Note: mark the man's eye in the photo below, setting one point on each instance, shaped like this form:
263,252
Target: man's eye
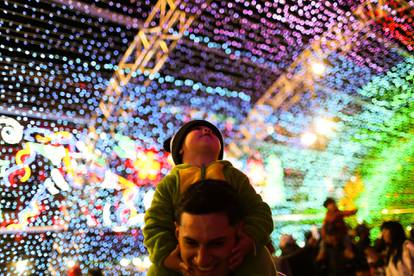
191,243
217,244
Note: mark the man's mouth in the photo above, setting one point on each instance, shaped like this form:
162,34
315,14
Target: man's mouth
205,269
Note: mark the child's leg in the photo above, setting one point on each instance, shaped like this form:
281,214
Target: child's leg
260,265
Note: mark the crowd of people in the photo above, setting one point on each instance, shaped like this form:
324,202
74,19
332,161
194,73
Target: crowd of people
341,250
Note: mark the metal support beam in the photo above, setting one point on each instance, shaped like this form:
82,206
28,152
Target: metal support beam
288,89
147,53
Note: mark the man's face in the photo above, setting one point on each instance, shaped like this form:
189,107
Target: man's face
200,138
386,236
206,242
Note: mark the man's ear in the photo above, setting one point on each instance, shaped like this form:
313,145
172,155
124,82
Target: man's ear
239,228
177,226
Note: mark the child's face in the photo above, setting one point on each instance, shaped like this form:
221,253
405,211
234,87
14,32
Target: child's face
201,138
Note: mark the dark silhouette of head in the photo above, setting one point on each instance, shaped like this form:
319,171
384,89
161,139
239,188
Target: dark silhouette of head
329,200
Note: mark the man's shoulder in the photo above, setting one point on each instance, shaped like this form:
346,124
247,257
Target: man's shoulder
227,165
409,244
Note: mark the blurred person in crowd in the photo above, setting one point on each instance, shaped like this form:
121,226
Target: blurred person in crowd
288,245
362,237
197,150
337,258
75,270
335,217
95,272
379,245
299,261
375,261
374,255
399,251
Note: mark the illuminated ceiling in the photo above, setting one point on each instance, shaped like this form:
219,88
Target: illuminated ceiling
322,89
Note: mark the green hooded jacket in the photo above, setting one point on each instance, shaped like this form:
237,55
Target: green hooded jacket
159,229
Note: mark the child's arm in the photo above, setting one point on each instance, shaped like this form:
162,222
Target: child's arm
159,237
348,213
258,222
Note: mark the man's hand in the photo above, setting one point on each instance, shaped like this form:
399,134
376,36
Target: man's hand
174,262
243,247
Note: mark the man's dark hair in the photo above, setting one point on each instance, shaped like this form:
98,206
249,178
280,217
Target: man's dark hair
211,196
328,201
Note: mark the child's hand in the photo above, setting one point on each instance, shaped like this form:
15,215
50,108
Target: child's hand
243,247
174,262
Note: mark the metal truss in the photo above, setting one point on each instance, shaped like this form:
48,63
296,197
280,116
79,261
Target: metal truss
298,79
146,54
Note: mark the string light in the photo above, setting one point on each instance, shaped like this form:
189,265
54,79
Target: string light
56,62
318,68
308,138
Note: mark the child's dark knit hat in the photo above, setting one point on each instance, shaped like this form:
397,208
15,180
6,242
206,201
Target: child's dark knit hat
174,143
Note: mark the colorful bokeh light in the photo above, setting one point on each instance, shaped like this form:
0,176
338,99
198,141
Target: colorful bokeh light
75,181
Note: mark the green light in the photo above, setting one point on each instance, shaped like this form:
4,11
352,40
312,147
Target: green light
388,168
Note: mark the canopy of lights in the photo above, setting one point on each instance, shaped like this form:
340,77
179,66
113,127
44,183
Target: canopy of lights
315,99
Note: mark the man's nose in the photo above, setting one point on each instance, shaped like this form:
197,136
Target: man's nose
202,258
